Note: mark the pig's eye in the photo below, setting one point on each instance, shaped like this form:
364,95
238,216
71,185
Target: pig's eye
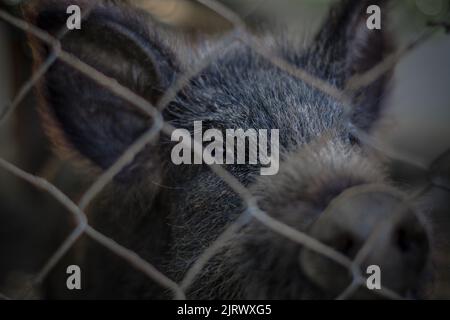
353,139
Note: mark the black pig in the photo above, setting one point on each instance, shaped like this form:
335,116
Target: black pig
169,214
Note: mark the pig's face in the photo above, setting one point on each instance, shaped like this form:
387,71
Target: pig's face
169,213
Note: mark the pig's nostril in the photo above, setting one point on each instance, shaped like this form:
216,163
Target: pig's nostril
402,240
410,240
345,244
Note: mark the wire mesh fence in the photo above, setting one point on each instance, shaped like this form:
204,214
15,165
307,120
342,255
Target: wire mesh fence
238,33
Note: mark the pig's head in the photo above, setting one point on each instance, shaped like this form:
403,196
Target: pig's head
327,186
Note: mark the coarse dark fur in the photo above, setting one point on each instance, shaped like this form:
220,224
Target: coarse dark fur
170,214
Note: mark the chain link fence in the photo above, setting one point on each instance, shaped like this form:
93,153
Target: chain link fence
438,173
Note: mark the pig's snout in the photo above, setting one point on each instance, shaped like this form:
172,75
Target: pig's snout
376,226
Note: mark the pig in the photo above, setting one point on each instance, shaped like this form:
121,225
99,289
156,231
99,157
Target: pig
169,214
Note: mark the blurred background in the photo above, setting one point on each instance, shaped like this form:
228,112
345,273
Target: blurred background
416,125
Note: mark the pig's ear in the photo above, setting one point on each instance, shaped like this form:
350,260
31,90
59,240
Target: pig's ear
345,47
80,114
